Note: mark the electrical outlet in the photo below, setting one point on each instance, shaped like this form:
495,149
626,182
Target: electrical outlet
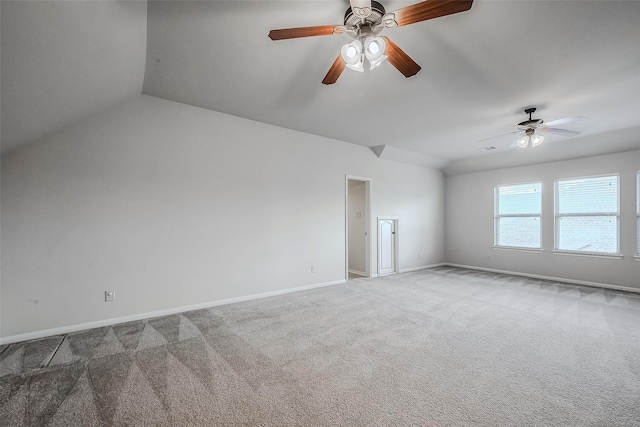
313,268
109,296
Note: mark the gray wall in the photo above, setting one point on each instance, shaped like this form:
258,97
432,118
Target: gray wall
172,205
469,224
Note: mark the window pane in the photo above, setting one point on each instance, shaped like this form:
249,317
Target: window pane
518,209
521,232
519,199
588,195
588,234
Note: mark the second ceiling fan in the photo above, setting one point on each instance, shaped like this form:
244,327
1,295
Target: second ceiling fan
531,131
363,21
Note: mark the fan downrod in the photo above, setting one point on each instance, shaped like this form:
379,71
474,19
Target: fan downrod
530,111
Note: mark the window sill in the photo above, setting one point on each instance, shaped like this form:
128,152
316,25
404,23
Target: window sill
518,249
637,258
589,254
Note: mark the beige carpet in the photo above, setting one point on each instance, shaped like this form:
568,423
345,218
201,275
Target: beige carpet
439,347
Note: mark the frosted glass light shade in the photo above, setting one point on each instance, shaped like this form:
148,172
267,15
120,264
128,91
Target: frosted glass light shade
374,48
536,139
352,55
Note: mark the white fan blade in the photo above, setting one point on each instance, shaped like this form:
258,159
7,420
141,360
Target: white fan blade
564,132
566,120
498,136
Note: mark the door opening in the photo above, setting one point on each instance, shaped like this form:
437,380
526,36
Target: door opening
358,247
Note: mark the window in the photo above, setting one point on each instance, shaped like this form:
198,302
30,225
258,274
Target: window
517,215
587,214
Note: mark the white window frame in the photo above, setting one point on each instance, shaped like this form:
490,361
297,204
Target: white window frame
557,217
497,217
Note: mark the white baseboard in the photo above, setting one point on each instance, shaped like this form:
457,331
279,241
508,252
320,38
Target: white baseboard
556,279
422,267
151,314
108,322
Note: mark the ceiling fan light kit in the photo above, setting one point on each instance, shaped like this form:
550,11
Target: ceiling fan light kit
363,21
353,54
530,139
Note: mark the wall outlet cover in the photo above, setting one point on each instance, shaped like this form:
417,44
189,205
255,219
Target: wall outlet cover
109,296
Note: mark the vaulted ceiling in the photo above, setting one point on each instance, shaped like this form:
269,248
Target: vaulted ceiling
63,61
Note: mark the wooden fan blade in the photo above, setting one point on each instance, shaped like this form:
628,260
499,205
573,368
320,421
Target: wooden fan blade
334,72
425,10
400,60
361,8
294,33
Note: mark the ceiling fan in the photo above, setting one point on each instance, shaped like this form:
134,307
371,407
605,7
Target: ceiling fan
363,21
532,130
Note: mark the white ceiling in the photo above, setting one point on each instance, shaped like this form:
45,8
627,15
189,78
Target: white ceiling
480,69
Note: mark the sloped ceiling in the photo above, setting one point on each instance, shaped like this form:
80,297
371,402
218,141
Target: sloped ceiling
480,69
63,61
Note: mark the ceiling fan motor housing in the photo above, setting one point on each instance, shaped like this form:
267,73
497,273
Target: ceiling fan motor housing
531,123
351,20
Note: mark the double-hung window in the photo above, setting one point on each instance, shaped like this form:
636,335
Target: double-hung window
517,215
587,214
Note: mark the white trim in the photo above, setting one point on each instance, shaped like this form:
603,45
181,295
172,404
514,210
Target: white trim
637,257
359,273
598,175
151,314
556,206
422,267
519,249
497,216
556,279
588,254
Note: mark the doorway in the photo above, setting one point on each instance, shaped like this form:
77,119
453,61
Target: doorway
387,245
358,246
